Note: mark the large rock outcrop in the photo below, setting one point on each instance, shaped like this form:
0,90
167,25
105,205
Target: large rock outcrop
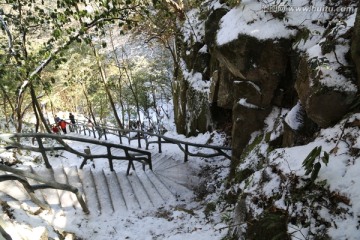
257,68
248,77
324,105
355,46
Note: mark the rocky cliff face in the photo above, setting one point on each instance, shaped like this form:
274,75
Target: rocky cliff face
355,47
273,91
242,80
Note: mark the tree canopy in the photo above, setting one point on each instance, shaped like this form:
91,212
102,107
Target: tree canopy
48,52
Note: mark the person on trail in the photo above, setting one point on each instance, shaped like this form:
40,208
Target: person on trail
72,121
89,124
62,124
56,119
55,129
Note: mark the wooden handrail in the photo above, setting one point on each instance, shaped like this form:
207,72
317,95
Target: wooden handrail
183,145
46,184
12,139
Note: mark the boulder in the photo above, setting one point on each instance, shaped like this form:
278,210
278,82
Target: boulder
245,121
322,104
256,71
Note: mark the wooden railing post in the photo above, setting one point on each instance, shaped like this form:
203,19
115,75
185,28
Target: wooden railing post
159,143
110,158
43,153
104,131
139,140
186,152
120,137
93,131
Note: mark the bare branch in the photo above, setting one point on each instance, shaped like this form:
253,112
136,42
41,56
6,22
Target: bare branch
8,33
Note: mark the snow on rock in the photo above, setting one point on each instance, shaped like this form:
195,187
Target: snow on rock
249,19
293,119
193,29
196,80
263,21
244,103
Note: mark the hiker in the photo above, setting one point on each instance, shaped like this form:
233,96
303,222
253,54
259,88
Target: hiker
72,121
62,123
56,119
89,124
55,129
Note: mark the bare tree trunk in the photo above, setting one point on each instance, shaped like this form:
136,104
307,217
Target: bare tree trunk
19,113
38,112
133,90
89,105
120,76
104,80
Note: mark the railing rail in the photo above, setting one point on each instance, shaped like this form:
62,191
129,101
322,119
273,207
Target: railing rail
129,153
45,184
130,134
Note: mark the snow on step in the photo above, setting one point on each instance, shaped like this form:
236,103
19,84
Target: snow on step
32,182
91,196
152,191
13,189
67,199
50,195
115,191
181,192
159,161
179,172
75,181
131,200
140,192
163,190
156,158
106,205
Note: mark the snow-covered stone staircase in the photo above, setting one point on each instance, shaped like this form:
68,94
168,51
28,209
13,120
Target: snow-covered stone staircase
109,192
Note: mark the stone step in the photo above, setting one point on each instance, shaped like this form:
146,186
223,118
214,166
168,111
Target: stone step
140,192
14,189
163,190
181,192
131,200
67,199
91,195
116,194
102,189
159,161
75,181
38,193
152,192
50,195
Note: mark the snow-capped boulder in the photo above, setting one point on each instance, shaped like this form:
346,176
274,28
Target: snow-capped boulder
323,104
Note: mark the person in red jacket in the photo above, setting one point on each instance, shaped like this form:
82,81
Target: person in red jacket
62,124
55,129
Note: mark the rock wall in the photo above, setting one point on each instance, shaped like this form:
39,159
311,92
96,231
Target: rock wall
247,77
355,46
